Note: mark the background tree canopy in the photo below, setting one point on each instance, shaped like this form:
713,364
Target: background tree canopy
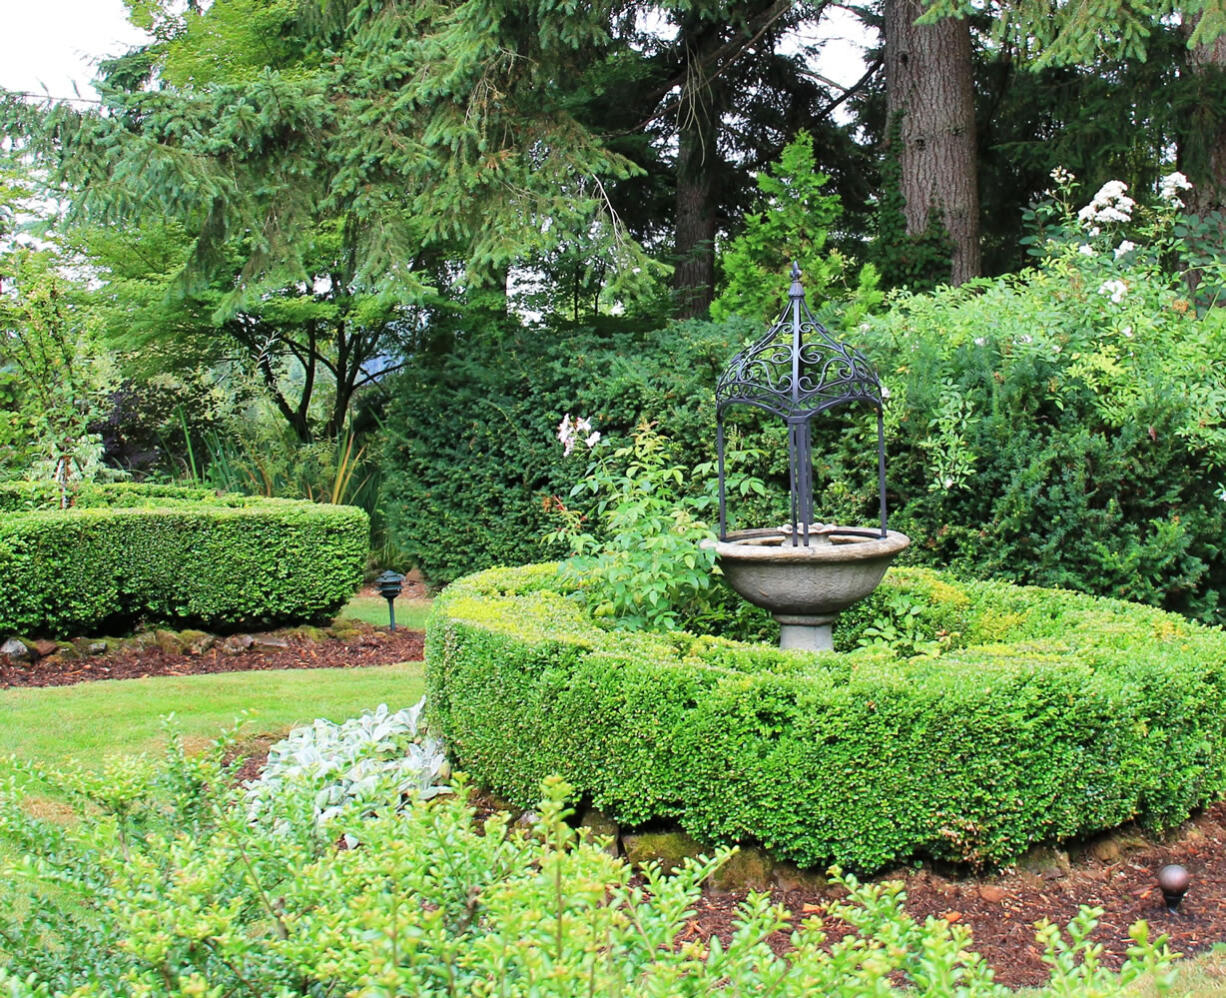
285,215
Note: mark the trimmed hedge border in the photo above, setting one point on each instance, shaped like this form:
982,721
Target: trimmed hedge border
126,554
1050,715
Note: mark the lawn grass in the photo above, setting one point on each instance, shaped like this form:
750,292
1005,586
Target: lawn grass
410,613
93,721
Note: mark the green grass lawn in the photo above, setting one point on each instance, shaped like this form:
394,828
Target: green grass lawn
91,721
410,613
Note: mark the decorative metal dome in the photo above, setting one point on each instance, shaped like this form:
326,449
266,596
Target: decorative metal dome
796,371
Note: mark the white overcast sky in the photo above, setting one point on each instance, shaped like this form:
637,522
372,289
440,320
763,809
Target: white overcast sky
47,46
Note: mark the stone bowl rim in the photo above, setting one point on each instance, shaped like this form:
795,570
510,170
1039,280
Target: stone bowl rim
745,545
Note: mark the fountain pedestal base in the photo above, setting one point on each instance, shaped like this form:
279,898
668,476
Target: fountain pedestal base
806,633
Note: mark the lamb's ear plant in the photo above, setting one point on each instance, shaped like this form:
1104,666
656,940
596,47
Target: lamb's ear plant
364,762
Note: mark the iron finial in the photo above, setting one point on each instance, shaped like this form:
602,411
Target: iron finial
796,291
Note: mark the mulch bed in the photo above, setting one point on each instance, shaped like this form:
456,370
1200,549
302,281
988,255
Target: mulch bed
371,646
1000,910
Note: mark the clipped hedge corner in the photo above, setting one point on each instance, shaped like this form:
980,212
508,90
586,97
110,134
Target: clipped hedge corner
124,554
1047,715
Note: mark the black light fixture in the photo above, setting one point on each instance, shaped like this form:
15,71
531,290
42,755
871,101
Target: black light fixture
1173,880
389,585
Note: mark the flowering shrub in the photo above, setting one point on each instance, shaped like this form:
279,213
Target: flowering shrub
1065,426
650,562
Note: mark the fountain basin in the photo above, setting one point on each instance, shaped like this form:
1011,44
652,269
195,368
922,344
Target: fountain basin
805,586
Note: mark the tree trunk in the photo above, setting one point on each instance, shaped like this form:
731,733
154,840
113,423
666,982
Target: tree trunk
1202,144
928,83
703,100
694,276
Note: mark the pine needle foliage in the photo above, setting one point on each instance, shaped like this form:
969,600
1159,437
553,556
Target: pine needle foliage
423,129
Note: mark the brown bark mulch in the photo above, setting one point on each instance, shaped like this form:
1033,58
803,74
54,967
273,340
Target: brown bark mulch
370,646
1000,910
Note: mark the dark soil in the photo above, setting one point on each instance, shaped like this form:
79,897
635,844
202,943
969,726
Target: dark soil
1001,910
1118,875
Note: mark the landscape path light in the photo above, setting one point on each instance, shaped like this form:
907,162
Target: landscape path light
1173,879
389,585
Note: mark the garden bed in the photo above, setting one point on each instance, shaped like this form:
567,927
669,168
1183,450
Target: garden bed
1001,911
354,645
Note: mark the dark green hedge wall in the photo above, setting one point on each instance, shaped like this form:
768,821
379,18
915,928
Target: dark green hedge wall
1068,478
472,452
1050,715
261,562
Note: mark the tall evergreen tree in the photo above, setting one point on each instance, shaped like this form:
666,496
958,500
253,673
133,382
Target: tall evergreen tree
931,115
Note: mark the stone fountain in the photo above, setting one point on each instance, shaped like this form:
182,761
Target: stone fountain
806,572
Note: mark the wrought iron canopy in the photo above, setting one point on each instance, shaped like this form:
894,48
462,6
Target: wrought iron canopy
796,371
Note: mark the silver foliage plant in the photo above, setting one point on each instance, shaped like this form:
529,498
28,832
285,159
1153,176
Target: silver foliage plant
362,765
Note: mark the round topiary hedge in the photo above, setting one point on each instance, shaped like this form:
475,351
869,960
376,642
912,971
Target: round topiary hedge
125,554
1035,715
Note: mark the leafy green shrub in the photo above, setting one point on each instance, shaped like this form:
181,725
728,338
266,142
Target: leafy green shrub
1063,426
163,555
165,887
1027,715
652,566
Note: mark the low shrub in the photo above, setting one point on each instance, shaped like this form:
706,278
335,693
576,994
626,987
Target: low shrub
127,554
166,887
996,718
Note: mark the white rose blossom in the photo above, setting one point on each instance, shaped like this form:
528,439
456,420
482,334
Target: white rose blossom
1116,289
1110,204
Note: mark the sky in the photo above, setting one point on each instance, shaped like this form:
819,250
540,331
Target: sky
47,46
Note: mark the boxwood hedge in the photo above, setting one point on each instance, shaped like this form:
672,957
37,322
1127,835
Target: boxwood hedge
127,554
1046,715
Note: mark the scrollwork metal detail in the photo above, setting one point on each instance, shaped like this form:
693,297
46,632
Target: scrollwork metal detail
796,371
